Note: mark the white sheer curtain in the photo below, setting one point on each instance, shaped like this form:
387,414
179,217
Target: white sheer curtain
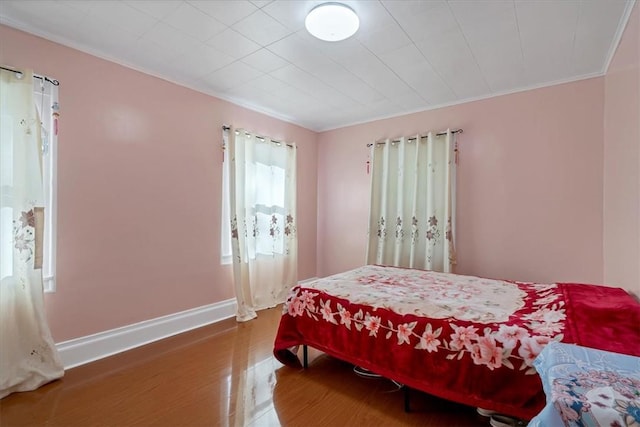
264,243
28,357
412,216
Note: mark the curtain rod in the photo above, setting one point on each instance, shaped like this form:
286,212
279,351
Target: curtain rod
413,139
45,78
225,128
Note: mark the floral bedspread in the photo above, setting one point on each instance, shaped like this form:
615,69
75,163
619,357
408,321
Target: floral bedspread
587,387
463,338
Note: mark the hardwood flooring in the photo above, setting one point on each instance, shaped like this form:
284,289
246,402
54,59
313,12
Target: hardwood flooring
223,375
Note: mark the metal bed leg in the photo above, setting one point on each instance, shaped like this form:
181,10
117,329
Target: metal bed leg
305,356
407,397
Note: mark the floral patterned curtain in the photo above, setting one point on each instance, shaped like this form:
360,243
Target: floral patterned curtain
412,215
28,357
264,242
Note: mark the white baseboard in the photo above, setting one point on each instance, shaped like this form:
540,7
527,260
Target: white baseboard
87,349
90,348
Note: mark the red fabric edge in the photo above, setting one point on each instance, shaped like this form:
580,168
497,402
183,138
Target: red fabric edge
288,358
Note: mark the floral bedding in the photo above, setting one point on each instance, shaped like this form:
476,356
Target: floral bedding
587,387
468,339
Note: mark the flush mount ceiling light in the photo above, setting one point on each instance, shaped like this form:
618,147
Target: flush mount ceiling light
332,22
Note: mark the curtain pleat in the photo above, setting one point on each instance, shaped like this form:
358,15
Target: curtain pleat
412,214
415,178
429,193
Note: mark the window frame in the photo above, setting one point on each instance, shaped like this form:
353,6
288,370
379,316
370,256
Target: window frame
226,250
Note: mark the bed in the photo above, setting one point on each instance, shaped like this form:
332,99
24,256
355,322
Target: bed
467,339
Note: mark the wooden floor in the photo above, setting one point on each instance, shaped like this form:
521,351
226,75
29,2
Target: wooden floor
223,375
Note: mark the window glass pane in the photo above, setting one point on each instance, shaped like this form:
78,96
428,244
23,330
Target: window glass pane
6,192
269,238
6,153
6,251
270,185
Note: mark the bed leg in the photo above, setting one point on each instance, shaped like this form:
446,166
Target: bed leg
305,356
407,403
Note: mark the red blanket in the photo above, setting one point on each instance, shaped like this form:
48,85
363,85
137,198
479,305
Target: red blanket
463,338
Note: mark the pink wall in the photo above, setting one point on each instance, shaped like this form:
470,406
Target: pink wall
622,161
529,184
139,190
139,185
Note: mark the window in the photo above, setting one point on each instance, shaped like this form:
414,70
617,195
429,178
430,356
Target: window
46,103
225,246
46,100
267,188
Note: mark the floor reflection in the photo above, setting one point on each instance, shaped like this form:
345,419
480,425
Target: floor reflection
220,375
252,391
252,378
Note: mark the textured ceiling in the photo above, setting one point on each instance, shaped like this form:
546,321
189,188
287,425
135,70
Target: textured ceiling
407,56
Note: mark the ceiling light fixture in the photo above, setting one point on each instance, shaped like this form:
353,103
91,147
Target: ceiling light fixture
332,22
